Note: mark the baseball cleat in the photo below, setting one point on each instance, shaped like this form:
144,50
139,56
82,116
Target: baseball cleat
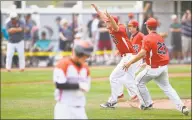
185,110
108,105
121,98
142,107
134,99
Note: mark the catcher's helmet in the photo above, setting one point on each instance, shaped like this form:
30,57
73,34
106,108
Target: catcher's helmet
82,47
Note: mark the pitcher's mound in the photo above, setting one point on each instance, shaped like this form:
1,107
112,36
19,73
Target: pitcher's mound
158,104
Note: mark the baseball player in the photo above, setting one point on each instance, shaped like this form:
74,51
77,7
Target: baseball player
136,39
124,49
71,77
15,28
157,59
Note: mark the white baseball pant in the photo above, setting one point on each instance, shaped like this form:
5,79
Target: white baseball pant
160,76
63,111
11,47
119,77
136,68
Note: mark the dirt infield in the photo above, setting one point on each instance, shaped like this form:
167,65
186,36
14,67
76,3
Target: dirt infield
157,104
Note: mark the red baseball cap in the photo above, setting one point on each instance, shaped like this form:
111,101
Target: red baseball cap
114,17
133,23
130,15
151,22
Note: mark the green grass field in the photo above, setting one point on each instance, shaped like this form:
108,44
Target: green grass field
30,95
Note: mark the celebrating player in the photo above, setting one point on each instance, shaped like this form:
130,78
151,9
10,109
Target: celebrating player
125,49
136,39
72,78
157,59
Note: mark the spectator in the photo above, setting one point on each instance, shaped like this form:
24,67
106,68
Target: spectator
131,16
58,20
104,42
187,35
65,36
89,27
147,13
36,18
175,29
15,28
74,25
28,24
94,32
43,44
94,27
35,34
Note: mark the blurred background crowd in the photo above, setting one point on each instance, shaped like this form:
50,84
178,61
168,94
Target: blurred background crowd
48,28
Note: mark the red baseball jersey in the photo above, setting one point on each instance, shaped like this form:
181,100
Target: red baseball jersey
121,40
136,40
157,52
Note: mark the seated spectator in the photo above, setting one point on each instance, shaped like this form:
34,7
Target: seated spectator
66,38
4,33
175,29
43,44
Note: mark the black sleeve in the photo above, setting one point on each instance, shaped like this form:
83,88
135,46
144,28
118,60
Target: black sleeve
67,86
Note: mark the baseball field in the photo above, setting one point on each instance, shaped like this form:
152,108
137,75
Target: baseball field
29,95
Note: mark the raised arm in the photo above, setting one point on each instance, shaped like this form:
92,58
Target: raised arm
114,24
100,13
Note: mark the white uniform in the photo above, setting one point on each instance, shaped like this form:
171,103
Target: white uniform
70,103
157,59
119,77
19,47
136,68
136,40
160,76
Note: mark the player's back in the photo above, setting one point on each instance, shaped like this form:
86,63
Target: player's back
72,74
158,51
